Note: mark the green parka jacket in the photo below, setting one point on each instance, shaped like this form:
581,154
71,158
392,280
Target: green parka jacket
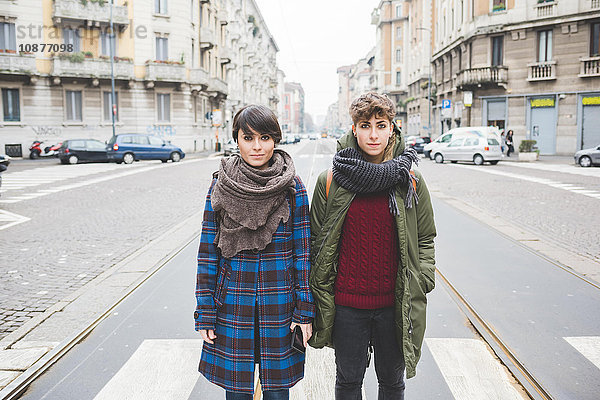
416,266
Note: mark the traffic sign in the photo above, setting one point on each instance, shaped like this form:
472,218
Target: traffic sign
446,103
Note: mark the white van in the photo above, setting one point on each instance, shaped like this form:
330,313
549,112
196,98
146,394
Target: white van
445,139
476,147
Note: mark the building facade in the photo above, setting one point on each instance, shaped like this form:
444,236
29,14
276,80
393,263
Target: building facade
175,72
530,66
292,120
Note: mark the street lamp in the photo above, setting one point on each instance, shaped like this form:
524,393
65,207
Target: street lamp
429,80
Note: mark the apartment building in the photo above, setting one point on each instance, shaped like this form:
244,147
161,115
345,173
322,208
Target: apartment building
292,120
532,66
177,64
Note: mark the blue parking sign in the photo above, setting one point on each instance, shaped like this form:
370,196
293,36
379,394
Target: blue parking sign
446,103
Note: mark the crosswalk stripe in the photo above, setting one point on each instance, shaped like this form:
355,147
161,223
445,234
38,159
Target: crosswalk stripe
8,219
589,346
159,369
470,370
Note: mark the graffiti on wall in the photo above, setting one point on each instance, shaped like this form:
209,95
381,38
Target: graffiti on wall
161,130
41,130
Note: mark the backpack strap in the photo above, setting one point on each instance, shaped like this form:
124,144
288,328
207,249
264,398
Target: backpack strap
329,179
414,180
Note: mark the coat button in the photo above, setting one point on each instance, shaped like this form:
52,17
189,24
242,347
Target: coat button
196,315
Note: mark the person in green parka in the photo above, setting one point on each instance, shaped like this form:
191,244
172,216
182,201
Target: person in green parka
373,254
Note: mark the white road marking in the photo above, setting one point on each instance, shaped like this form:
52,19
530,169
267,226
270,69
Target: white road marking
470,370
567,169
589,346
558,185
159,369
8,219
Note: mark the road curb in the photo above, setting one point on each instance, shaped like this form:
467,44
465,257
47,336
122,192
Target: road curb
99,297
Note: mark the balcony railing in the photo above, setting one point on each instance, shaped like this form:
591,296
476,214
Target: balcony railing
590,66
207,37
199,76
478,77
595,3
92,12
217,86
541,71
545,10
17,64
156,71
92,67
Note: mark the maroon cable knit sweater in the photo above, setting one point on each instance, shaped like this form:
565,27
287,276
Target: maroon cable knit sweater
368,259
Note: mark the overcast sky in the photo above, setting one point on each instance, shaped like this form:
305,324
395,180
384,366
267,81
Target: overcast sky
315,38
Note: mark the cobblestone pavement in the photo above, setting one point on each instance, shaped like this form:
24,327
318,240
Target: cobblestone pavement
567,218
75,234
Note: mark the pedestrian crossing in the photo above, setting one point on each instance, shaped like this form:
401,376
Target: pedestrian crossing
168,369
563,168
8,219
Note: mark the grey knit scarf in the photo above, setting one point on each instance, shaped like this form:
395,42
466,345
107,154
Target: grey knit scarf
251,202
352,172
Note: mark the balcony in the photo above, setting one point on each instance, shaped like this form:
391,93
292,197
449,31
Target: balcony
541,71
480,77
17,64
222,17
590,67
199,76
546,9
91,68
217,87
207,38
159,71
92,13
225,54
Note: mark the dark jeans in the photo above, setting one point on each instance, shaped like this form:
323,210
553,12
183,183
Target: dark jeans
353,330
283,394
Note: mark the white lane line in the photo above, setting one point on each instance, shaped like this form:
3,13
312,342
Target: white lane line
589,346
470,370
567,169
8,219
159,369
558,185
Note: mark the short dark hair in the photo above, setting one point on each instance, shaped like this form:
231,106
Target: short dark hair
258,118
370,105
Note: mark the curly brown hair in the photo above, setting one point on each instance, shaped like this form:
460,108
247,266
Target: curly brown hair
372,104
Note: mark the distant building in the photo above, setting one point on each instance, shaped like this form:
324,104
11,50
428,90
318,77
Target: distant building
293,108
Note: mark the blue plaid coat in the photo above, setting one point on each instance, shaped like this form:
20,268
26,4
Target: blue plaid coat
227,291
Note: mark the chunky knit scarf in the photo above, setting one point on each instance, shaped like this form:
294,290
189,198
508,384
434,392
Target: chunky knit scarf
251,202
352,172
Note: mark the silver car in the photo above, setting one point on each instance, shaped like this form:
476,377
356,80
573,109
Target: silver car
473,148
588,157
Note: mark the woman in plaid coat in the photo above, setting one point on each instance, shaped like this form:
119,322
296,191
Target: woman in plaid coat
253,265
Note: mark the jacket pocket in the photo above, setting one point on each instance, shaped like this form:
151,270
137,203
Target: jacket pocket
427,282
222,283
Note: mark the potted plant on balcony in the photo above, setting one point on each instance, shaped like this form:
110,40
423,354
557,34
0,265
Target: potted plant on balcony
528,151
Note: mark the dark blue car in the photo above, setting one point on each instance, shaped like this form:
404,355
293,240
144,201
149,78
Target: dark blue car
130,147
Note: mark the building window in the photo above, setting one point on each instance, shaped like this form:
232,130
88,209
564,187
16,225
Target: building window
497,51
498,5
107,97
200,15
398,78
162,49
105,40
73,105
398,55
398,11
71,37
163,107
160,6
399,33
11,105
545,46
7,38
595,40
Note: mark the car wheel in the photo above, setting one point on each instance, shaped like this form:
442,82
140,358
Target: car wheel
175,156
128,158
34,154
494,162
73,159
585,161
478,159
439,158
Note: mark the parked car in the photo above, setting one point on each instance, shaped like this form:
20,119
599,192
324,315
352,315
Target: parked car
4,161
417,142
477,148
73,151
129,147
287,138
230,148
446,138
588,157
